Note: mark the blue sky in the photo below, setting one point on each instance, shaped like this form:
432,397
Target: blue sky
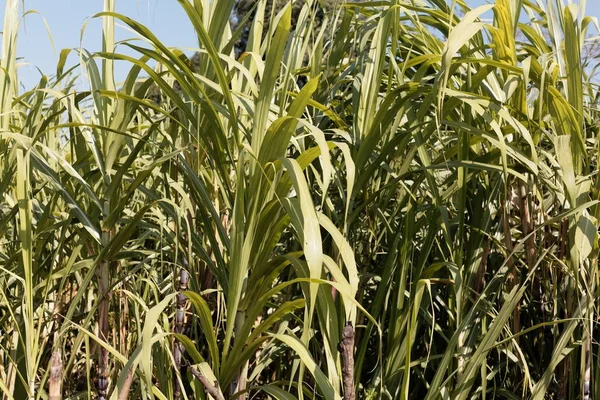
67,19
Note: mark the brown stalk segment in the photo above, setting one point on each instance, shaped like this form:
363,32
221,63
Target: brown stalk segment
56,365
178,351
564,379
103,286
123,319
347,350
55,381
124,393
480,279
527,226
212,389
513,278
588,368
563,375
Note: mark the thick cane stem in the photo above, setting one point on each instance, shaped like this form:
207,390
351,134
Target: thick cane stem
178,350
104,282
347,351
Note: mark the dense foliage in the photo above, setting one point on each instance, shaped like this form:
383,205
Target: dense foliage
207,228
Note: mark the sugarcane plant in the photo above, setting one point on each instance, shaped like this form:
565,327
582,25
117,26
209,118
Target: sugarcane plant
323,200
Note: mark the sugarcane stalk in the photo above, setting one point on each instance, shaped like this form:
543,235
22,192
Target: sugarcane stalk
527,226
123,346
566,362
103,286
513,279
55,380
123,320
178,351
239,381
124,393
346,349
588,368
589,328
56,365
480,279
212,389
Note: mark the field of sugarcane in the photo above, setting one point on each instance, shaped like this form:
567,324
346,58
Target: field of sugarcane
394,199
